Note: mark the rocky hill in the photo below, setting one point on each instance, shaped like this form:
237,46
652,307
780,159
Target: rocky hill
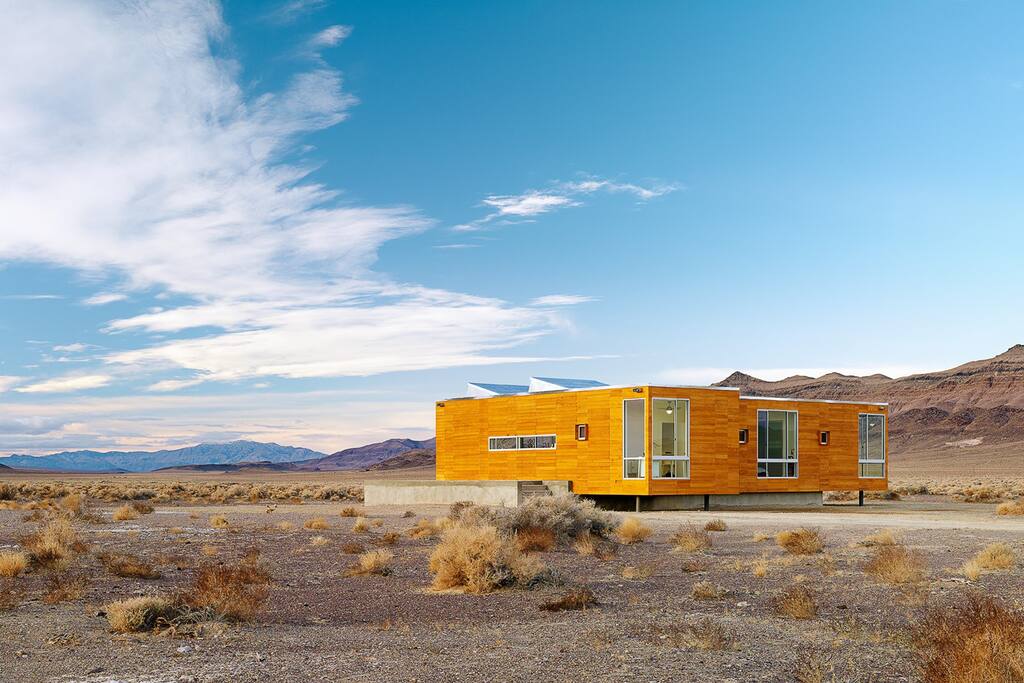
362,457
974,411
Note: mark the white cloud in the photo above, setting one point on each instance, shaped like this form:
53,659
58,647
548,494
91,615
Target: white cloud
193,190
71,348
174,384
30,297
288,12
8,381
559,195
562,300
65,384
329,37
704,376
104,298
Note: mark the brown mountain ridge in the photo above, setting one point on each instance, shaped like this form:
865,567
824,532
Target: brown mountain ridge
965,420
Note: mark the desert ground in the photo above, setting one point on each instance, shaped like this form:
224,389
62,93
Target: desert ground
314,589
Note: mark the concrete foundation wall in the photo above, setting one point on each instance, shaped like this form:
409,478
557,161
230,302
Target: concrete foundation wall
498,493
773,500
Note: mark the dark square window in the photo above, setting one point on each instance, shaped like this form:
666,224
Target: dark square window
824,438
581,432
744,436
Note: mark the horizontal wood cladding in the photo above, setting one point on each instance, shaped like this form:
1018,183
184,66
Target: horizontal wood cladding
718,463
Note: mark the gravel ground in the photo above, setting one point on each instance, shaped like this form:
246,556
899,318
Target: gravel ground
320,625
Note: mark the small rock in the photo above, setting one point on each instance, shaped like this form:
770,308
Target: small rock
185,649
743,603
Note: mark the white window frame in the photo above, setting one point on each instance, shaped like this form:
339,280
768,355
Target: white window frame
519,438
677,458
757,444
625,441
871,461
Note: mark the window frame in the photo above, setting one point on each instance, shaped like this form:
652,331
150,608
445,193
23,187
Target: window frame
625,442
861,461
744,435
766,461
824,437
582,431
655,458
519,438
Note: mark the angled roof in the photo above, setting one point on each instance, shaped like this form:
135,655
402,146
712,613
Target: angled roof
483,389
560,383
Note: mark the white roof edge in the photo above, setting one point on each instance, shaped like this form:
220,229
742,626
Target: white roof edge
812,400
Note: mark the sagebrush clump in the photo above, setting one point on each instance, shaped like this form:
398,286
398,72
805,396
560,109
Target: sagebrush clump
480,559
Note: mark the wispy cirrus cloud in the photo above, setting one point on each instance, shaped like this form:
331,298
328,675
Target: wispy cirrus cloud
329,37
288,12
559,195
562,300
9,381
194,191
104,298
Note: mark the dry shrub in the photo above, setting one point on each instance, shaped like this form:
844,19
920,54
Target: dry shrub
210,550
319,541
705,590
142,508
10,595
480,559
704,635
895,564
716,525
360,526
175,530
232,593
376,562
12,563
316,523
352,547
348,512
883,537
800,541
815,667
408,514
125,513
796,602
8,492
219,522
377,523
425,529
64,587
690,539
1011,508
566,515
389,538
588,544
580,598
995,556
73,504
135,615
535,539
285,526
53,545
632,573
632,530
828,565
692,566
761,538
128,566
979,641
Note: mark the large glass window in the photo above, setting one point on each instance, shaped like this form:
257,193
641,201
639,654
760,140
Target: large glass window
671,438
633,440
871,445
777,444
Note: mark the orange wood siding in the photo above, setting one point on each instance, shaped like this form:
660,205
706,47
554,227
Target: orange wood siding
718,463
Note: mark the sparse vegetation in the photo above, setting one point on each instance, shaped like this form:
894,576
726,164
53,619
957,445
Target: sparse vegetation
128,566
229,592
12,563
632,530
348,512
352,547
316,524
1015,507
535,539
144,613
895,564
982,640
480,559
125,513
690,539
704,635
994,557
53,546
360,526
716,525
376,562
219,522
388,538
637,573
705,590
796,602
319,541
580,598
883,537
802,541
63,586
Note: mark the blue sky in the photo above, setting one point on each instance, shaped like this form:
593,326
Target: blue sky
304,221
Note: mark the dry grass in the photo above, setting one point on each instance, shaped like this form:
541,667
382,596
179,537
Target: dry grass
704,635
125,513
144,613
348,512
796,602
761,538
815,667
319,541
360,526
12,563
632,530
580,598
389,538
480,559
716,525
375,562
994,557
883,537
589,545
316,523
535,539
219,522
284,526
895,564
1011,508
128,566
567,516
232,593
10,595
64,587
142,508
692,566
161,491
802,541
352,547
638,573
690,539
53,546
981,641
705,590
425,529
210,550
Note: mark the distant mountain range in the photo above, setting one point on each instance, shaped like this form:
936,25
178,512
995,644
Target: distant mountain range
968,419
225,457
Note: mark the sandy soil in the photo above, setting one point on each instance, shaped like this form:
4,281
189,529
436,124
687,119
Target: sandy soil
320,625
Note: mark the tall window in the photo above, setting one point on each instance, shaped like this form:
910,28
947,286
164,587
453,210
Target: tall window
671,438
777,436
871,445
633,440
